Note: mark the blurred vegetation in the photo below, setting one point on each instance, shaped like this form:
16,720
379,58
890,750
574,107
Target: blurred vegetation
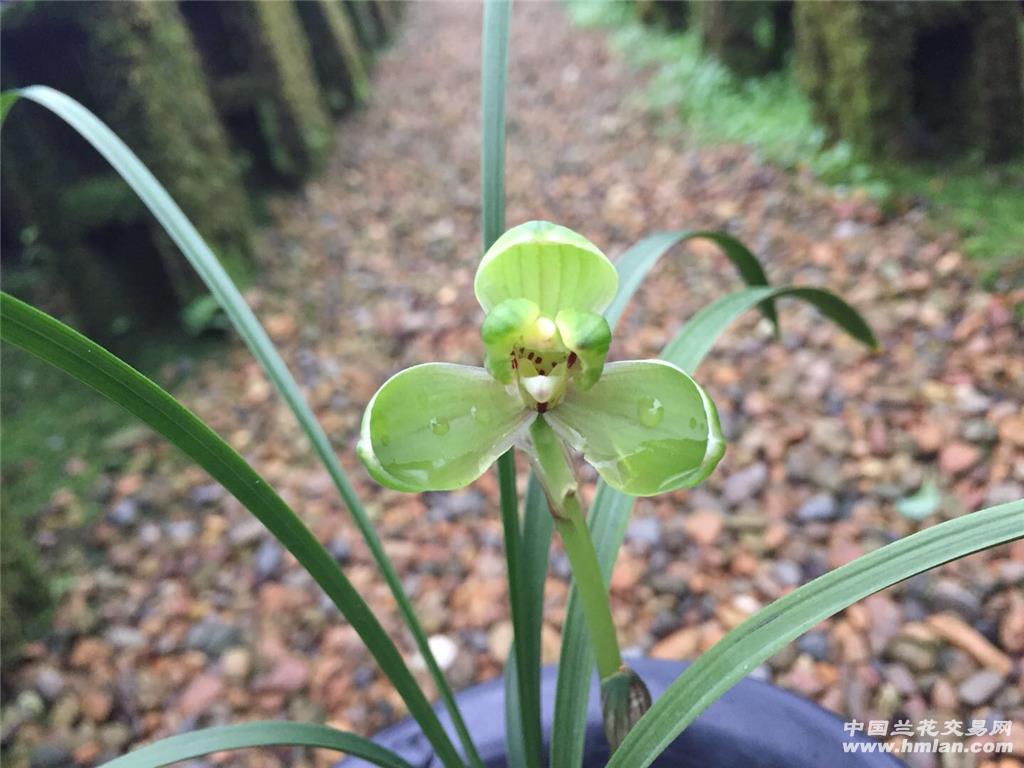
771,114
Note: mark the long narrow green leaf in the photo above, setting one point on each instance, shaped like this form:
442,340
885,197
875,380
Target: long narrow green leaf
696,338
635,263
528,606
206,264
609,514
764,633
270,733
57,344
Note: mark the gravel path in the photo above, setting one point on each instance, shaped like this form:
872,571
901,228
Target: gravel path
185,614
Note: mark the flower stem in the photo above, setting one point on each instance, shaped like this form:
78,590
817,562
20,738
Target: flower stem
559,483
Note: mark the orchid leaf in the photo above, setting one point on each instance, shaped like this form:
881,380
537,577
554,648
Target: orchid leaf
437,426
268,733
646,426
61,346
639,259
548,264
223,289
768,630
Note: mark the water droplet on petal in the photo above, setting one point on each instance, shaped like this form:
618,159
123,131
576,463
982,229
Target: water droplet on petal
693,422
439,426
650,410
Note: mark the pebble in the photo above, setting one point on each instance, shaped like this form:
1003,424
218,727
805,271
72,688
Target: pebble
124,513
958,457
745,484
704,526
268,559
50,683
980,687
645,531
815,644
212,636
949,595
820,507
237,663
50,756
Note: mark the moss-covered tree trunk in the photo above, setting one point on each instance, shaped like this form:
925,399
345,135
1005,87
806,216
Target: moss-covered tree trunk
750,38
339,62
670,14
915,79
264,85
135,66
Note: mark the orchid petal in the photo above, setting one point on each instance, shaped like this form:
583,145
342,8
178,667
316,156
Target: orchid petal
646,426
503,327
550,265
588,337
437,426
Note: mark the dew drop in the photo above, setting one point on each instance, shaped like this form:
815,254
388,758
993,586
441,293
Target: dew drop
650,410
439,426
693,422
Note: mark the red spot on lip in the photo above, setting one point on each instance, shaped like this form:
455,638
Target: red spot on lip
530,356
571,360
542,407
515,363
537,360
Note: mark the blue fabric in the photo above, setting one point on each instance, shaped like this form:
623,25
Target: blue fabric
754,725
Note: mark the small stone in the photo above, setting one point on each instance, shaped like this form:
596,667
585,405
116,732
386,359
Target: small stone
237,664
704,526
444,649
1011,430
1003,493
50,683
125,638
50,756
814,644
958,457
929,438
980,687
957,632
65,712
979,431
201,694
124,513
645,531
268,559
89,652
114,736
181,531
340,549
920,657
248,531
206,495
212,636
745,484
97,704
943,695
787,573
288,675
820,507
949,595
681,644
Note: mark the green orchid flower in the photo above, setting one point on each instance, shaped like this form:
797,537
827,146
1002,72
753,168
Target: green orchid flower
645,426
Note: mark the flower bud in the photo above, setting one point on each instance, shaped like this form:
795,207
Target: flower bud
624,699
